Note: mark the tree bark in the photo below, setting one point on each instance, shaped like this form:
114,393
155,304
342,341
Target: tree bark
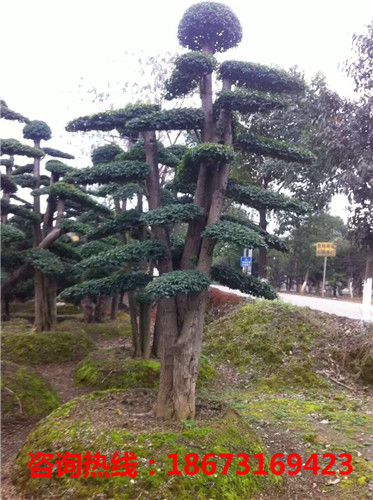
134,326
5,308
263,258
144,326
182,329
303,289
6,194
102,309
45,302
114,307
156,336
368,285
88,307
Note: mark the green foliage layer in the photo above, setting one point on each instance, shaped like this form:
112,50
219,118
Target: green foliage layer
134,252
237,234
58,167
244,101
24,169
37,130
19,210
58,154
7,184
110,120
13,147
260,77
258,198
172,214
9,234
112,172
25,393
123,222
116,283
105,154
246,283
178,282
170,119
271,240
274,149
209,24
187,73
120,191
206,153
45,261
9,114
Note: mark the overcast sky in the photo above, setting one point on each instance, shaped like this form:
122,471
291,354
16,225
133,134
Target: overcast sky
53,50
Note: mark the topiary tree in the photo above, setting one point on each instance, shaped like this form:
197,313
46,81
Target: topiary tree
199,187
121,176
38,252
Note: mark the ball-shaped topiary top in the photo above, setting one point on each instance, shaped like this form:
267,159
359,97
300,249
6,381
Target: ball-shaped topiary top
37,131
105,154
210,26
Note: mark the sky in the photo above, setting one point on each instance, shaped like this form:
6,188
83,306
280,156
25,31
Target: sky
55,50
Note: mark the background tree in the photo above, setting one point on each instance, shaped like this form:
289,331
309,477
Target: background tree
354,137
312,180
38,253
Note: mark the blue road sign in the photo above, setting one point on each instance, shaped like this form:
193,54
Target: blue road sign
246,261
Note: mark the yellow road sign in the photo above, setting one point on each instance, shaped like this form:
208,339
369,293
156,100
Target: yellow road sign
325,249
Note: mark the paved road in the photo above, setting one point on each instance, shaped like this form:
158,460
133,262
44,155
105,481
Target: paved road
332,306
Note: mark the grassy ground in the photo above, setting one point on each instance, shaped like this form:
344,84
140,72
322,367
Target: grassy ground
296,380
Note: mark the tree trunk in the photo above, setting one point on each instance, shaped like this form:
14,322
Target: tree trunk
156,336
303,289
6,194
5,308
45,302
145,323
187,358
88,307
134,326
102,309
114,307
164,406
182,329
368,285
263,258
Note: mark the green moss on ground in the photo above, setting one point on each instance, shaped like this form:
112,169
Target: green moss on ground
269,340
121,327
25,393
16,325
22,307
69,429
46,347
115,369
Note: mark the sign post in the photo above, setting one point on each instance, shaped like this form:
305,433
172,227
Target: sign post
246,261
325,249
324,277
